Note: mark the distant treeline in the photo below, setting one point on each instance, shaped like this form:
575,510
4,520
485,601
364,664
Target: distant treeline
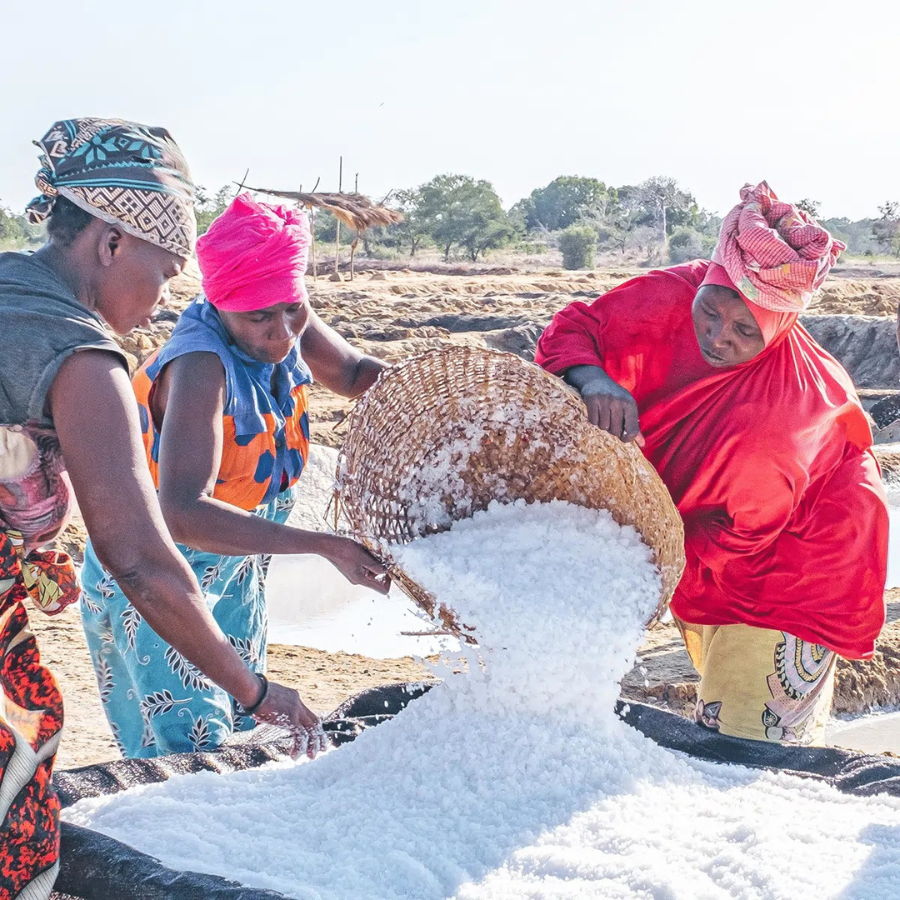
656,221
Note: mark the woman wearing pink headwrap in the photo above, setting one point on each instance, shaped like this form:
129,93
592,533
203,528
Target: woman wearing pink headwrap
226,432
760,437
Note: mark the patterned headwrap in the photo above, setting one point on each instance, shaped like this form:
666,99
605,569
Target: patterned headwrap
775,254
254,255
124,173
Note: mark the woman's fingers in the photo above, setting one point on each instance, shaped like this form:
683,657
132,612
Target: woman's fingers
603,415
311,741
631,429
284,707
377,579
611,408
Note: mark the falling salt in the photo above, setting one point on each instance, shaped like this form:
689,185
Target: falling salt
517,780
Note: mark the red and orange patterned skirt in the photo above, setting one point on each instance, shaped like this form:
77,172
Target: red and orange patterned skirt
31,718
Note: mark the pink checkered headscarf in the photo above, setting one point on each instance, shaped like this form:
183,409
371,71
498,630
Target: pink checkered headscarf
776,255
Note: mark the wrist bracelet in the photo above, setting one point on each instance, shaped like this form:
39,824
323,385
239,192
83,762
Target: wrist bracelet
251,710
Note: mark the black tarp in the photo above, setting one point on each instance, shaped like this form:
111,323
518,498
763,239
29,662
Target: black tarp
95,867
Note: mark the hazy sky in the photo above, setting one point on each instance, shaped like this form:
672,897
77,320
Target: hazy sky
803,93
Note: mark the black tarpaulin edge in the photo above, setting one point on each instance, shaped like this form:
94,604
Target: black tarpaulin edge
96,867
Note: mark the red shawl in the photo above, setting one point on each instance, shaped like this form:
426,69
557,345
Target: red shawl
769,463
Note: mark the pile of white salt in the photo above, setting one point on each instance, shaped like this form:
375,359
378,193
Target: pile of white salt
517,779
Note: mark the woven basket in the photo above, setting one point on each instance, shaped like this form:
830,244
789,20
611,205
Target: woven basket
441,435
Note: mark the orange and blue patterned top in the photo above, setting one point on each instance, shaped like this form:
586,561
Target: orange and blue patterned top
266,425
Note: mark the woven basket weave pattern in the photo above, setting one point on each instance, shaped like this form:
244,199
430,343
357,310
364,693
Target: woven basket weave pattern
442,434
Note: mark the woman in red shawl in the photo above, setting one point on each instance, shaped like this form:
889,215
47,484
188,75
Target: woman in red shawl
760,437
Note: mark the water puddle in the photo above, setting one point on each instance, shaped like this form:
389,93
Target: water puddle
893,575
312,605
873,733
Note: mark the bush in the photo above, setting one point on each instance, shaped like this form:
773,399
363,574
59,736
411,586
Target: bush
577,245
688,243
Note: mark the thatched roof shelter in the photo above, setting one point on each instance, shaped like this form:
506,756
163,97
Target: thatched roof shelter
354,210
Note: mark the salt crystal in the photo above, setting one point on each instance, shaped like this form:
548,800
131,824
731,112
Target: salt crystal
517,779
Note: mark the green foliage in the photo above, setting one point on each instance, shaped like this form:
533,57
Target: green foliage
690,243
886,230
16,232
414,230
811,207
859,236
654,221
666,205
208,209
564,202
458,211
577,244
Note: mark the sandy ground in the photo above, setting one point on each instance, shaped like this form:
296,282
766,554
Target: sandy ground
394,313
324,680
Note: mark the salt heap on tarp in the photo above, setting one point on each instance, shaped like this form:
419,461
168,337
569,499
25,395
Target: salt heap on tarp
517,779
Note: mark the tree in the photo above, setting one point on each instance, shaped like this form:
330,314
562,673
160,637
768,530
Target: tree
859,236
577,244
16,231
459,211
414,229
690,243
564,202
208,209
886,230
669,205
811,207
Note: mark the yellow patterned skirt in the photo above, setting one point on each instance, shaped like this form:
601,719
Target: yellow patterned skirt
760,684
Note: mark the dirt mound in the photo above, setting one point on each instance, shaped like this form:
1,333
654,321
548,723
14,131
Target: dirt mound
870,297
865,345
392,311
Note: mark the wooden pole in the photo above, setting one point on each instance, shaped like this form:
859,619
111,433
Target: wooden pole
337,234
312,228
355,239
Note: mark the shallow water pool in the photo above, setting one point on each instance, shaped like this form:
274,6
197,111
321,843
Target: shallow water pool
872,733
312,605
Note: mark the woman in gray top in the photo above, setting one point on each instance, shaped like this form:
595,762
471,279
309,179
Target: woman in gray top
120,204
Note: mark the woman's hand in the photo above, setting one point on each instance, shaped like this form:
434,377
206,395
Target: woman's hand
283,707
613,409
356,563
609,405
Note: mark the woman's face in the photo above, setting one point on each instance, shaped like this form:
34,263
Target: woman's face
133,280
267,334
726,330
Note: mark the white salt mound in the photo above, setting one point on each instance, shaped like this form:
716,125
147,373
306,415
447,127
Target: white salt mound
517,780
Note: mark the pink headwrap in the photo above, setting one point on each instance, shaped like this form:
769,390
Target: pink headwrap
254,255
772,324
775,254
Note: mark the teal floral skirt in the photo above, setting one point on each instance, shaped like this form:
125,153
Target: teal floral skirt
155,700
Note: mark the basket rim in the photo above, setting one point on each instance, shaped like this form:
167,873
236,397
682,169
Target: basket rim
347,507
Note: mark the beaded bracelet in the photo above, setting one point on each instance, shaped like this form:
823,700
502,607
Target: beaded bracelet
251,710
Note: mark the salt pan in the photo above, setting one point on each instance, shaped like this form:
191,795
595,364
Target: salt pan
516,779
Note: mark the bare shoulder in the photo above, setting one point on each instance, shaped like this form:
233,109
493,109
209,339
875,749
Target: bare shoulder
200,374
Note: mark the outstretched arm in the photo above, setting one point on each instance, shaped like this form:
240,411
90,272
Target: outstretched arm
96,419
193,391
334,363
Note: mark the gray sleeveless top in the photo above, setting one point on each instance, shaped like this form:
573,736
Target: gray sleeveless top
41,325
